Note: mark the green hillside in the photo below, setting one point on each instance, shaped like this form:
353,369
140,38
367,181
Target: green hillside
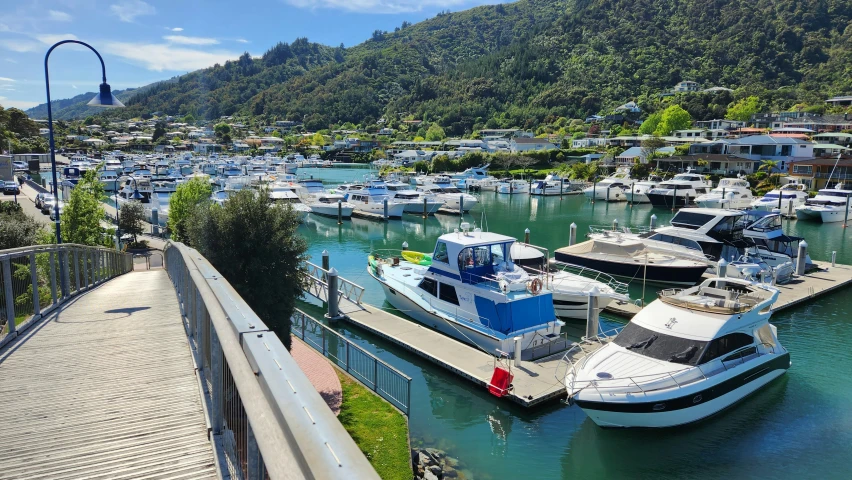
527,63
75,107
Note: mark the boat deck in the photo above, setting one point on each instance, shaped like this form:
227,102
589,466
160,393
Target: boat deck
814,284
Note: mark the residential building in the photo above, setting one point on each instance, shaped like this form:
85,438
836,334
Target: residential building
488,134
629,107
719,124
686,86
840,101
530,144
766,147
588,142
838,138
819,173
716,164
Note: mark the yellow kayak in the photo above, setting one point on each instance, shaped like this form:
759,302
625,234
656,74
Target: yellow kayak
416,257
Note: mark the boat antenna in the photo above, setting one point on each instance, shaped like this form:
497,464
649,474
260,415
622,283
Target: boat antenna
828,182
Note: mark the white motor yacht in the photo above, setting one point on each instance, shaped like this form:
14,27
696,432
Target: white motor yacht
770,241
730,193
109,179
285,196
686,356
373,198
553,184
639,190
513,187
829,205
613,188
451,196
330,204
415,202
470,289
680,191
786,199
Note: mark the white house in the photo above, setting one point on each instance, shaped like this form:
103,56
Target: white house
588,142
686,86
530,144
629,107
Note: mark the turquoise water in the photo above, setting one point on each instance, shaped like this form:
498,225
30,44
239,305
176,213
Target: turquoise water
799,426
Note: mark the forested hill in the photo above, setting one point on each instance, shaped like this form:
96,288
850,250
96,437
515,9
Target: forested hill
525,63
75,107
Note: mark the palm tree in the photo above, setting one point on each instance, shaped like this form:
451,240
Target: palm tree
768,166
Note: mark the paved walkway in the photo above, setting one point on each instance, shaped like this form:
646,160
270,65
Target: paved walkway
105,388
321,374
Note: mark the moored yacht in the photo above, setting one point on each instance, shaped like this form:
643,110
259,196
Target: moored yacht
829,205
686,356
680,191
451,196
374,198
613,188
285,196
513,187
786,198
470,289
639,191
330,204
415,202
730,193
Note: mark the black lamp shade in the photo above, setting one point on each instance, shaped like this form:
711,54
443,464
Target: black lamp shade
136,195
105,98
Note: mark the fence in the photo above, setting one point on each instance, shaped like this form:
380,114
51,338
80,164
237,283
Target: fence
266,419
35,280
391,384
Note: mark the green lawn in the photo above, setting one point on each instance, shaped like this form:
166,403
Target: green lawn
380,430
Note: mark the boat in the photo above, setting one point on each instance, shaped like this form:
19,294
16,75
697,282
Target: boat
131,184
473,292
374,198
330,204
678,192
628,257
829,205
285,196
571,285
452,197
770,241
713,232
613,188
785,199
512,187
730,193
109,179
415,202
639,190
685,357
553,184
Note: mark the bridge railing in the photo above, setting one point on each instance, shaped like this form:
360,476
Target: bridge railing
35,280
266,419
318,286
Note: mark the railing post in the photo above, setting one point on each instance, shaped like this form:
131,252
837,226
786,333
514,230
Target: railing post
333,310
347,355
86,268
34,280
323,341
53,258
253,461
217,387
408,400
10,299
375,375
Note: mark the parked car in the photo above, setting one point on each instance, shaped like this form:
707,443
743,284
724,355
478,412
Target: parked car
20,166
47,204
40,199
53,210
11,188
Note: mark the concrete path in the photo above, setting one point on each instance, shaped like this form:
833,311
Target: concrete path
321,374
105,388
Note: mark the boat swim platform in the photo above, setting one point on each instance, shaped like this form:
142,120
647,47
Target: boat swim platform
534,383
105,386
800,289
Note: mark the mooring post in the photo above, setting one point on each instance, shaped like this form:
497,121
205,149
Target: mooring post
722,268
607,193
722,203
594,188
834,258
614,224
518,350
800,261
653,221
572,234
846,217
461,204
592,319
325,264
339,212
632,194
333,308
385,205
404,246
527,235
425,212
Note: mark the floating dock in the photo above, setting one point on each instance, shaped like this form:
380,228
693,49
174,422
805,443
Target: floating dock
802,288
449,211
372,216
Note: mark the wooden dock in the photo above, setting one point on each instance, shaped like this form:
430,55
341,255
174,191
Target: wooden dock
801,289
105,387
535,381
372,216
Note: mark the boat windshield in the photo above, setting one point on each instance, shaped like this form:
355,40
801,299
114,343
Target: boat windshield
660,346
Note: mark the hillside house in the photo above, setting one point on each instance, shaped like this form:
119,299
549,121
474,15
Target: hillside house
819,173
686,86
530,144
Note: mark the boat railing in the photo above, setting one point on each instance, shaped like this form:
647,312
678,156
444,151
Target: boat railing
318,285
591,274
628,229
606,388
578,352
710,304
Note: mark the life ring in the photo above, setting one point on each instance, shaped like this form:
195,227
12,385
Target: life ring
534,286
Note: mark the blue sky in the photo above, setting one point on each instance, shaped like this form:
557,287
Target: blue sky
143,41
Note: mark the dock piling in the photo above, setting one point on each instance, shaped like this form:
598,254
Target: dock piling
800,261
572,234
834,258
333,307
404,246
518,350
527,235
461,204
385,205
653,221
592,318
339,212
614,224
325,263
425,212
722,268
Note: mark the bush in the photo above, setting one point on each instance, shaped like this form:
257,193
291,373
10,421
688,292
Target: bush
16,228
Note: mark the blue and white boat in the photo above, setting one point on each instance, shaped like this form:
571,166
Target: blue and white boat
470,289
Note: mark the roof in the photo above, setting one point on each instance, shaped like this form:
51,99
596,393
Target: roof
475,238
793,130
834,135
767,139
830,146
844,162
531,140
631,152
789,135
843,98
710,157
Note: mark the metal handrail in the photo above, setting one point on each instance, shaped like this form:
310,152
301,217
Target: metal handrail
592,274
346,288
267,420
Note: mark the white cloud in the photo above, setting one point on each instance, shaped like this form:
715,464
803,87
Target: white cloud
128,10
58,16
175,29
242,40
51,38
159,57
22,104
384,6
6,79
11,60
19,46
74,86
180,39
4,28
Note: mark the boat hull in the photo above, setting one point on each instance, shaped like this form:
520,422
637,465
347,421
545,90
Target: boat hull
616,194
824,216
331,210
416,207
637,197
660,200
696,405
686,275
576,306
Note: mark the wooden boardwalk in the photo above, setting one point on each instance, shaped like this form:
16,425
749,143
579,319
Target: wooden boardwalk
105,388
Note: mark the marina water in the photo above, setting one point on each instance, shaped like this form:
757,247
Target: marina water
798,426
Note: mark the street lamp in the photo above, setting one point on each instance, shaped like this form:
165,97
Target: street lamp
104,98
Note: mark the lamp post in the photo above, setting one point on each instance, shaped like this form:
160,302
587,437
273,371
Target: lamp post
103,99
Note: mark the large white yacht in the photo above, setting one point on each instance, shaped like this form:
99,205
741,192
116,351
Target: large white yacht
770,241
513,187
829,205
553,184
470,289
330,204
280,195
686,356
680,191
639,191
450,195
730,193
613,188
415,201
786,198
373,197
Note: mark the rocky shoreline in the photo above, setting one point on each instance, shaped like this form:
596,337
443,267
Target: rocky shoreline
434,464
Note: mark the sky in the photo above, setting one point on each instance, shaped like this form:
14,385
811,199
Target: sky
143,41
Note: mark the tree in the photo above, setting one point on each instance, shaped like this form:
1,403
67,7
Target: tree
222,129
182,203
743,109
504,162
131,219
435,133
770,166
525,162
159,130
650,124
584,171
254,245
650,146
81,218
17,229
673,118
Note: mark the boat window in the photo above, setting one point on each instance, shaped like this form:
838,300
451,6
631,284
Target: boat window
725,225
430,286
448,294
475,257
691,220
659,346
441,253
497,255
725,345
